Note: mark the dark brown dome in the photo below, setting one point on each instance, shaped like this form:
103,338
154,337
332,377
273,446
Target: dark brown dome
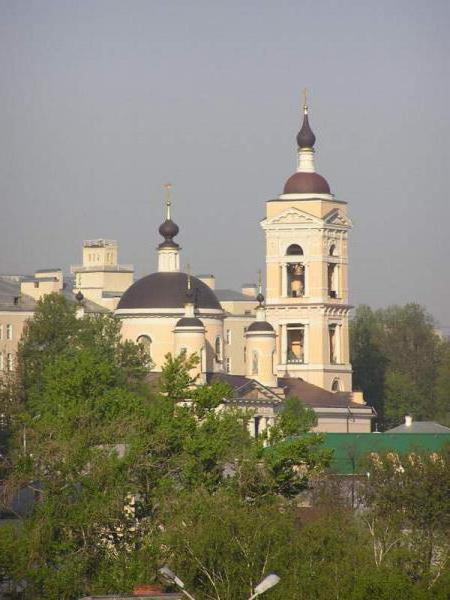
305,137
306,183
260,326
168,290
168,229
189,322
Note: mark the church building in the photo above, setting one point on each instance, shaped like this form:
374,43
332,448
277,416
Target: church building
296,340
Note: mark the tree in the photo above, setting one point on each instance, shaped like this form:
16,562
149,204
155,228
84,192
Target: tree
401,398
176,380
407,500
398,346
442,396
367,357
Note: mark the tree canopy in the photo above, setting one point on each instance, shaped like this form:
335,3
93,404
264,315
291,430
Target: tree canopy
128,476
400,363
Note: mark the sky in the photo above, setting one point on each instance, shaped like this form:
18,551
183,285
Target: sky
103,101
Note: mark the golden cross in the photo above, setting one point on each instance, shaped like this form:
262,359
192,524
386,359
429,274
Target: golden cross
305,101
168,188
188,269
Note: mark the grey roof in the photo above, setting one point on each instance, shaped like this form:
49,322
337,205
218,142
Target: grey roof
232,295
12,300
420,427
167,290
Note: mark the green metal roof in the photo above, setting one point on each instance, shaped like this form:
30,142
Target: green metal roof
350,449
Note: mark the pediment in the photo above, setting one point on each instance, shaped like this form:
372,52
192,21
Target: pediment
336,217
253,391
292,216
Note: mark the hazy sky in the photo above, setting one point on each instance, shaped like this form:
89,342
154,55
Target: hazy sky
101,102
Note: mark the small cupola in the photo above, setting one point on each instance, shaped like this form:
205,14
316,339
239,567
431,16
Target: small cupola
168,250
260,343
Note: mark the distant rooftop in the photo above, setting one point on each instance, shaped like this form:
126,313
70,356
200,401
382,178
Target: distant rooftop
49,270
232,295
420,427
100,243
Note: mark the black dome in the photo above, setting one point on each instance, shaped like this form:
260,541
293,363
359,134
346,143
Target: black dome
168,229
189,322
260,326
167,290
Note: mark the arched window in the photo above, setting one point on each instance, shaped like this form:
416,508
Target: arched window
332,276
295,280
333,250
295,351
336,385
294,250
255,362
218,348
146,343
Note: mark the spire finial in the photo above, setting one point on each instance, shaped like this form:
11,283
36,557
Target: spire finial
260,296
188,270
305,101
305,137
168,188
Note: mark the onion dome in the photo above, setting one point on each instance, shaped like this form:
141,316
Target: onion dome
260,298
79,296
164,290
306,183
305,137
168,230
189,322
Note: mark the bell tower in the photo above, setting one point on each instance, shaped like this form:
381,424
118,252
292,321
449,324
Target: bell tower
306,230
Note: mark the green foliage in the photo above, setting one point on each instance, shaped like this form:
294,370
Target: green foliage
399,363
368,359
409,512
401,398
442,399
208,397
127,479
294,419
176,381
